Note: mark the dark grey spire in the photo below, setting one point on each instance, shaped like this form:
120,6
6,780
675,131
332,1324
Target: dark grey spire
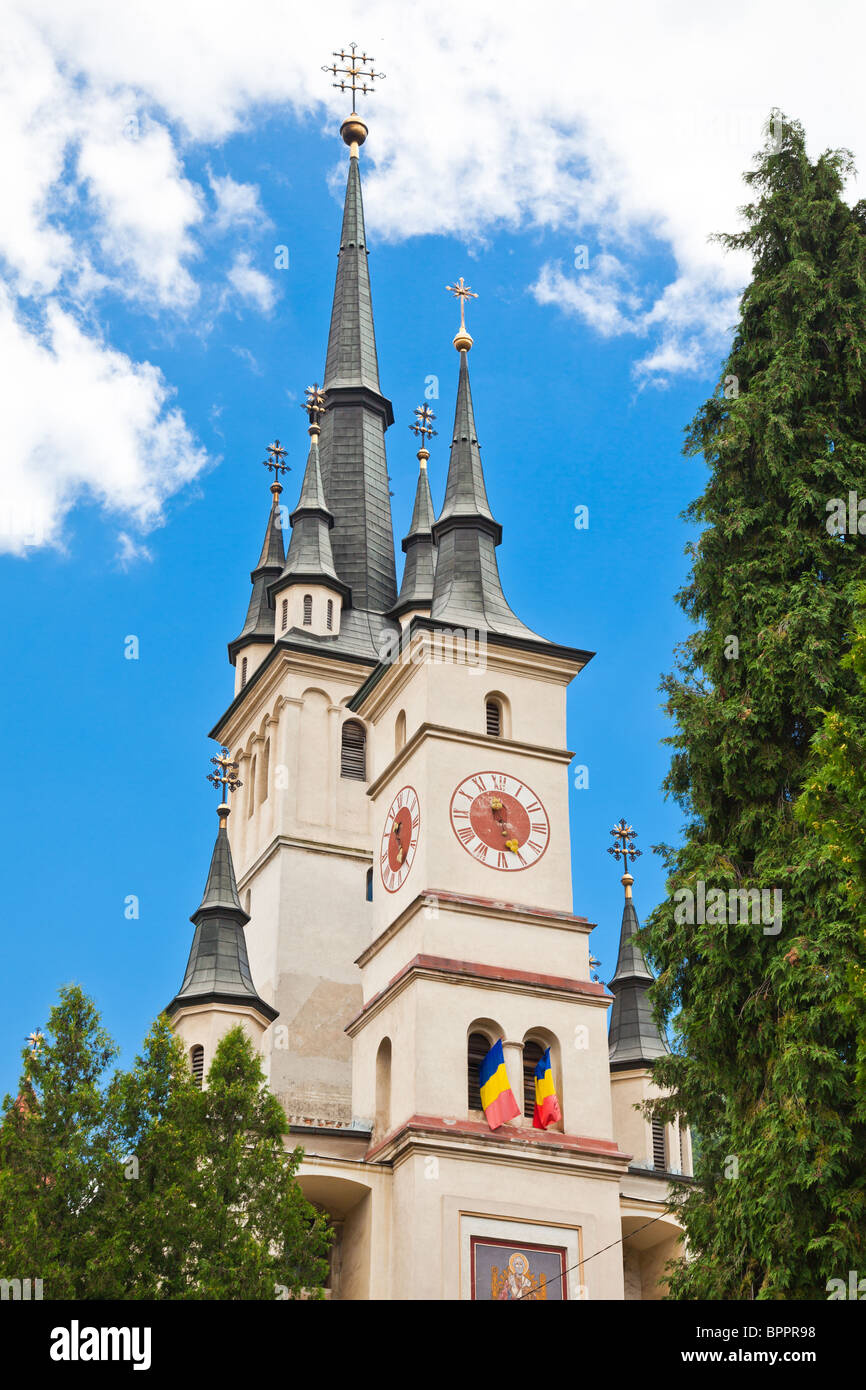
259,623
354,467
467,590
218,969
635,1038
416,591
310,558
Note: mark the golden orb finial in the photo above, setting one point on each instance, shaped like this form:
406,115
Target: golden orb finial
462,339
354,78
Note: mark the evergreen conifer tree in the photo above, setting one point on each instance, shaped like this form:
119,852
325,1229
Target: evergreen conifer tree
764,1059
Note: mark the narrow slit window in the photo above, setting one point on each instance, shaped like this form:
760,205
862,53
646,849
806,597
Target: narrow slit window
329,619
285,614
308,610
196,1061
243,672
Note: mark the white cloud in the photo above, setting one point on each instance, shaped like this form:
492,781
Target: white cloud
144,206
237,204
250,284
615,126
83,422
130,551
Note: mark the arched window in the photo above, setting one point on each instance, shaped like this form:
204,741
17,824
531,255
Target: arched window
251,787
243,672
308,610
329,620
353,752
658,1130
494,719
196,1061
383,1087
284,621
532,1055
400,731
369,885
477,1049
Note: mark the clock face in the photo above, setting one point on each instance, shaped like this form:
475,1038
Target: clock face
400,838
500,821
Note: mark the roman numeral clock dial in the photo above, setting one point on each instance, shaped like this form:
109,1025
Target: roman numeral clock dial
500,821
399,838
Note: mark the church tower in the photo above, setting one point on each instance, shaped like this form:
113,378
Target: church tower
404,865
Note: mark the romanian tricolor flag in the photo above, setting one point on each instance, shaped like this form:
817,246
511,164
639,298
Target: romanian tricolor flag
497,1097
547,1110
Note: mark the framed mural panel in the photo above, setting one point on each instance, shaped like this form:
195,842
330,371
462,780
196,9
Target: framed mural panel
516,1271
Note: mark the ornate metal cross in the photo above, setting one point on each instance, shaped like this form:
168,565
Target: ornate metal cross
276,454
314,405
462,292
355,71
624,846
423,425
225,780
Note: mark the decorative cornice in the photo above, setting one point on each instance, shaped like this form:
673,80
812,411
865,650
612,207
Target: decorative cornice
531,1146
477,975
475,740
511,654
479,907
312,846
269,674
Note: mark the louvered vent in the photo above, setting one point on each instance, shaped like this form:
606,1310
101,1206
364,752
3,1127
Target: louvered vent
478,1049
658,1146
494,719
353,753
532,1055
196,1061
308,610
285,612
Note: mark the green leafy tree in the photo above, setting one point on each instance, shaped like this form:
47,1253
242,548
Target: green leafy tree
156,1112
145,1186
834,805
57,1156
254,1231
764,1044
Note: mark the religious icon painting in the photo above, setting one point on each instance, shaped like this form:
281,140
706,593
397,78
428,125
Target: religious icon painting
505,1272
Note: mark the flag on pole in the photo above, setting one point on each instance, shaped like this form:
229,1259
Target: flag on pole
497,1097
547,1110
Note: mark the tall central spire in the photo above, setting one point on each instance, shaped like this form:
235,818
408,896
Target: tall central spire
353,462
467,590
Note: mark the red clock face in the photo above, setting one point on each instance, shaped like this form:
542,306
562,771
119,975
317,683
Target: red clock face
399,838
500,821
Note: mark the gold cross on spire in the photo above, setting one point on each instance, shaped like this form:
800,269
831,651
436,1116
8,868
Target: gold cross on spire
624,848
462,339
422,428
274,461
354,78
225,780
314,405
355,71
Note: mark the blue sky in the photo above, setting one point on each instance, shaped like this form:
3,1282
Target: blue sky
177,351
